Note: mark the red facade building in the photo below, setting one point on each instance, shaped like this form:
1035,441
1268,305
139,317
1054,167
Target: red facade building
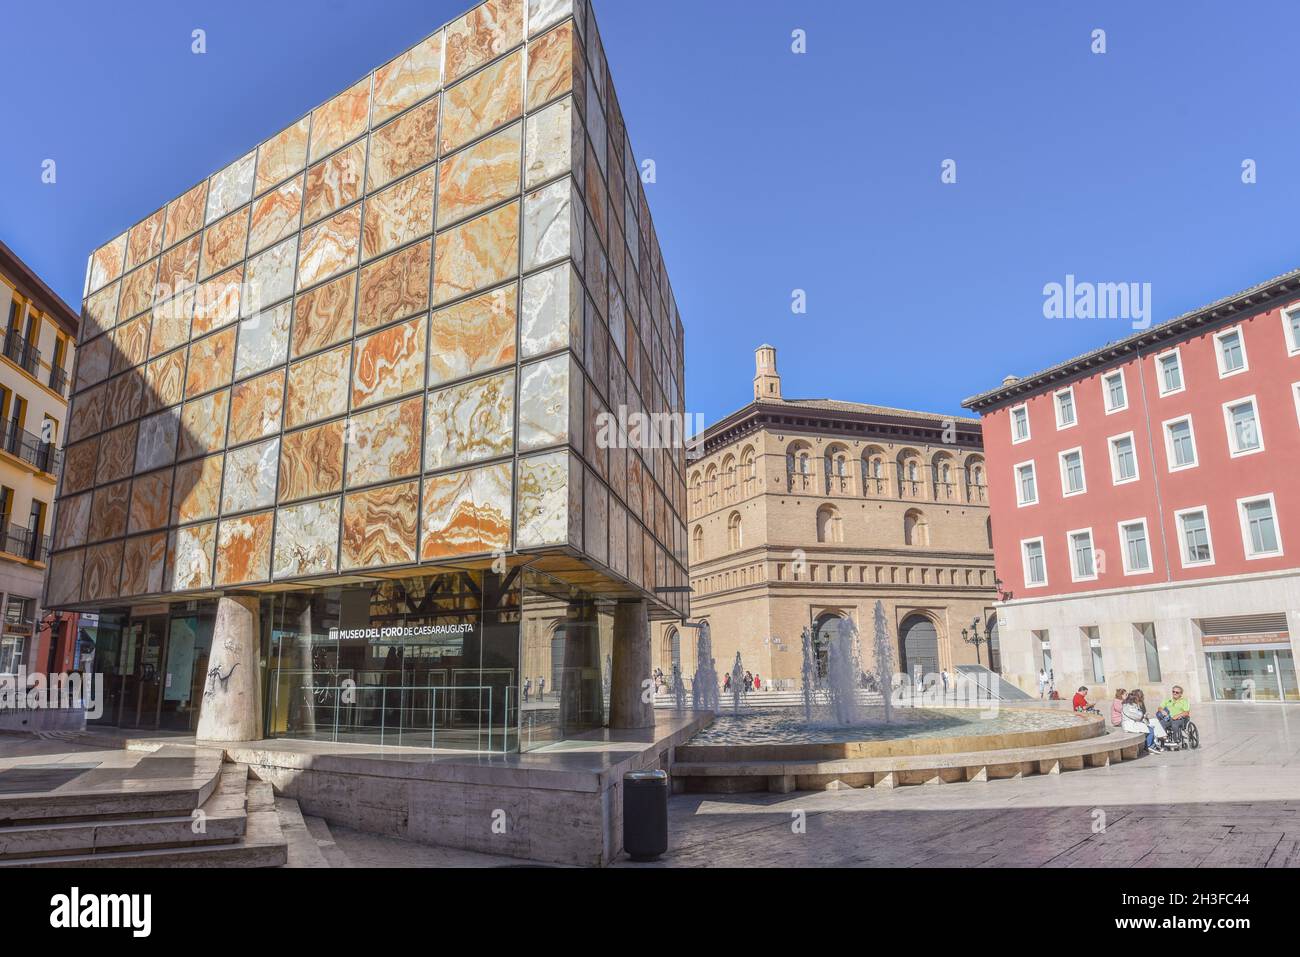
1145,501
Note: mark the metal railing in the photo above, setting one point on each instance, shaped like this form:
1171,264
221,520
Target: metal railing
59,379
422,716
21,541
18,441
21,352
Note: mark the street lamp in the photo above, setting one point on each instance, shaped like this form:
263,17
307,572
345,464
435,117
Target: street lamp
972,636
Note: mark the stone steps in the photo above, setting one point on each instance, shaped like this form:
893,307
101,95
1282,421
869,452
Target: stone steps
169,782
243,823
320,831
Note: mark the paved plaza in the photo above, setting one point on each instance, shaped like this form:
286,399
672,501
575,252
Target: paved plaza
1234,802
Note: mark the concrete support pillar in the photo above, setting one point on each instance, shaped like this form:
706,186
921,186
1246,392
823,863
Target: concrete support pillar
232,688
629,706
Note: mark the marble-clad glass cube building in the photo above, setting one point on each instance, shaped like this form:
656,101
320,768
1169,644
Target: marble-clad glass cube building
360,373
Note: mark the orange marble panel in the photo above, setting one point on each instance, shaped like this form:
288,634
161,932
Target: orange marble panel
244,549
123,398
190,555
311,462
282,155
144,241
165,381
329,247
466,513
185,214
550,65
384,443
108,512
224,243
389,363
151,501
171,323
117,453
379,526
395,287
341,120
131,343
203,424
99,312
197,490
318,387
255,407
65,577
106,262
323,316
87,413
179,267
143,561
408,79
481,103
79,466
399,214
335,182
72,521
483,34
211,362
477,254
479,177
216,302
473,336
103,572
275,216
405,144
94,361
137,292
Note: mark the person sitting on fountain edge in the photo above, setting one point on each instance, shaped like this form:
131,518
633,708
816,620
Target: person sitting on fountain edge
1081,700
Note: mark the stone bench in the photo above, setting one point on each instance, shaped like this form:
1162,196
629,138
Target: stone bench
731,777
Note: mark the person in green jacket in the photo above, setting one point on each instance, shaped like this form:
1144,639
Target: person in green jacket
1174,714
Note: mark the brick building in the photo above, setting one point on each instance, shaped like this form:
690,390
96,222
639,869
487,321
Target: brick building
805,511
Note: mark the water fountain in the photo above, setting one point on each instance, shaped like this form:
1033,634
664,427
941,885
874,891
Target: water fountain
737,679
679,693
809,673
884,649
842,674
704,690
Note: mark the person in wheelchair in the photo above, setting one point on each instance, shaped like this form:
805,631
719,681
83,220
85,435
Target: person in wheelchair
1174,715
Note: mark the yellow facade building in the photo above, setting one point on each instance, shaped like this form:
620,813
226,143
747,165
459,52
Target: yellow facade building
35,356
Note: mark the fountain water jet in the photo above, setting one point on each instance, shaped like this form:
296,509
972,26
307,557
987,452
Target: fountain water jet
679,693
737,678
808,673
884,649
842,674
704,690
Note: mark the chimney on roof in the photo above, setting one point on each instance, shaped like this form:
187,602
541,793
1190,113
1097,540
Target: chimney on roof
767,381
1011,380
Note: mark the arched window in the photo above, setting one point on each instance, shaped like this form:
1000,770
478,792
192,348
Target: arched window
697,544
747,476
728,479
734,536
711,486
915,531
696,501
829,528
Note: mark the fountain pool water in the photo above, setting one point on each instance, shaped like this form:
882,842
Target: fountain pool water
786,725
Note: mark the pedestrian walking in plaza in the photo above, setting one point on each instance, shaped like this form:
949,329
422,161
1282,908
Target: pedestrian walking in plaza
528,687
1042,682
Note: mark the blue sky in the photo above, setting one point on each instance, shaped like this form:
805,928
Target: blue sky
776,171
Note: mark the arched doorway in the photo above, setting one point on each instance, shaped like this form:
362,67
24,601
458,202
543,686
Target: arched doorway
674,652
825,628
995,652
919,641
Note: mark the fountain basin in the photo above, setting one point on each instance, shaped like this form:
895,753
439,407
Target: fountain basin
778,734
1057,741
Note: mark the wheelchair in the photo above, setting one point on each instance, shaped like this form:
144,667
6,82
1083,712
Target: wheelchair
1191,739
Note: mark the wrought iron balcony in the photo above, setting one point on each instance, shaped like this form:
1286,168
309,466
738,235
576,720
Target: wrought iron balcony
18,441
22,352
21,541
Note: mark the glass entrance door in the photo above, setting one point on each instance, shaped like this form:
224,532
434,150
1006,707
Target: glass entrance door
1252,674
140,670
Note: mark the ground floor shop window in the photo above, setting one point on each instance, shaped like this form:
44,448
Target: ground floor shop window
1253,674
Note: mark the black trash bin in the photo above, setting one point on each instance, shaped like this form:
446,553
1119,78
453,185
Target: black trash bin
645,814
